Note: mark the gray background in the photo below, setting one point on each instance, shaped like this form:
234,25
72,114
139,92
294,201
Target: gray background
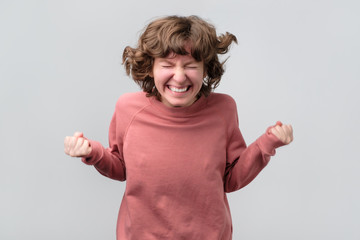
296,61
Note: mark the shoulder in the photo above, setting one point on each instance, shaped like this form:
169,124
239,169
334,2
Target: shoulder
132,97
224,107
222,102
132,100
129,104
127,107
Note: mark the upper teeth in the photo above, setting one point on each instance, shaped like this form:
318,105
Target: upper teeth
178,89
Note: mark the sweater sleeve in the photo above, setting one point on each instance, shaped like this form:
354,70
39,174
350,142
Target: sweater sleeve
109,162
244,162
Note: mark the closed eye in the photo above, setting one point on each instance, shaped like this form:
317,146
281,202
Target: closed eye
192,67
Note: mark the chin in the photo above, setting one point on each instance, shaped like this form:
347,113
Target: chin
183,104
178,105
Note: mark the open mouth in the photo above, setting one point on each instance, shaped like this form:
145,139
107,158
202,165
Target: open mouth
179,90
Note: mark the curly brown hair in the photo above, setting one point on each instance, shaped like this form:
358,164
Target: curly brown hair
172,34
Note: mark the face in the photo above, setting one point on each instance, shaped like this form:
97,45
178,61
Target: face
178,78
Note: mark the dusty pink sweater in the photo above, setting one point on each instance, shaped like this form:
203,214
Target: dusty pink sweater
178,163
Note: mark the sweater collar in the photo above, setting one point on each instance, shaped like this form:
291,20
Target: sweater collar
179,111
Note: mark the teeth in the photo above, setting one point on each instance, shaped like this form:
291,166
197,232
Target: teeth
174,89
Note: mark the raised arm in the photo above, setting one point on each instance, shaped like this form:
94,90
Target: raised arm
245,163
109,162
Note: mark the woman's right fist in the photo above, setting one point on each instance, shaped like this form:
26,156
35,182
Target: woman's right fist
77,145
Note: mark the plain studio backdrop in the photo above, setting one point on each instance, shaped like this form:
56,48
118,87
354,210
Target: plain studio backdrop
296,61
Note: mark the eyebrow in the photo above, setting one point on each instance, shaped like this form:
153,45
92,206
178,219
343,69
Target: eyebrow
165,60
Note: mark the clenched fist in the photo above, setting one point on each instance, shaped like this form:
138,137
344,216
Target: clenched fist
77,145
283,132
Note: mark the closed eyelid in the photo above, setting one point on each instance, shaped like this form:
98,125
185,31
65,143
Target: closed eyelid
166,63
191,66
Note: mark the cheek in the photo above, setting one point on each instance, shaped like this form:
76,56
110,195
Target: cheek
158,83
161,74
160,78
197,77
157,75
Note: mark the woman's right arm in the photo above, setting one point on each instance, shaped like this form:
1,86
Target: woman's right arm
109,162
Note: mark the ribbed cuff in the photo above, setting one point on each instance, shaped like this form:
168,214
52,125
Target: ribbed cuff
268,142
96,154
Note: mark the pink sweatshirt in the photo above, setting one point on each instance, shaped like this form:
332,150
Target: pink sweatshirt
178,163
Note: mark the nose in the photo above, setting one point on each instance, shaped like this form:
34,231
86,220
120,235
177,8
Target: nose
179,75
